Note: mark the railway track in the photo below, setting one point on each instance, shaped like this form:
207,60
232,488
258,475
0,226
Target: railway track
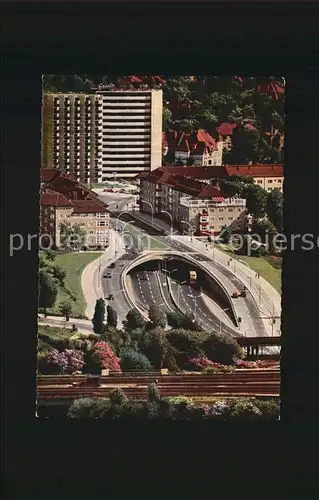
242,383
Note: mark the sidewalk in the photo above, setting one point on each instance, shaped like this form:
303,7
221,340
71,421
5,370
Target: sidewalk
91,276
262,291
83,325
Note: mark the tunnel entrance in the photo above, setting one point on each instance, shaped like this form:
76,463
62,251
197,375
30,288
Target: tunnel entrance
179,272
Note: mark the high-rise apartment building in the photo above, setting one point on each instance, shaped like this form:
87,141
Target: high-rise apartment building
72,135
131,124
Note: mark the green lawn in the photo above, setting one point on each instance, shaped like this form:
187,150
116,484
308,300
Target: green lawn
262,266
53,337
73,264
153,244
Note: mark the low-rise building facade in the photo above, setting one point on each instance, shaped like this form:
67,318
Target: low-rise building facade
194,206
64,200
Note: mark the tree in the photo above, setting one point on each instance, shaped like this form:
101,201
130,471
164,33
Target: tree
190,161
66,309
134,320
72,237
52,362
155,346
48,290
111,317
153,394
88,408
245,146
187,344
99,317
167,119
134,361
265,229
256,199
225,234
59,274
118,397
244,410
106,357
157,317
222,348
275,208
50,256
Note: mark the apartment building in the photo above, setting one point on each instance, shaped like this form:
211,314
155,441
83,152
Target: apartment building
193,205
131,124
266,176
71,135
64,200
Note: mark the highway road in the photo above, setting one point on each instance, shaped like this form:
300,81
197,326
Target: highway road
249,310
148,291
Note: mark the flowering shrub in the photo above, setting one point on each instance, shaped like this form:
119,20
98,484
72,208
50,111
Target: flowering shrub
219,409
200,363
74,360
240,363
56,362
203,363
106,357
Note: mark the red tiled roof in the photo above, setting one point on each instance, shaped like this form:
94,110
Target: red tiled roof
51,198
226,128
196,142
275,170
48,173
209,192
183,184
88,206
205,173
66,184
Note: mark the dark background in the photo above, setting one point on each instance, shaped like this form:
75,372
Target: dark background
158,39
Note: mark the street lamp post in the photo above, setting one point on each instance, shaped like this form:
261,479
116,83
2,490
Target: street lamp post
150,204
165,212
250,270
190,227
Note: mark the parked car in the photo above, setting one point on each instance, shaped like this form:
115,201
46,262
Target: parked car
109,275
111,296
111,266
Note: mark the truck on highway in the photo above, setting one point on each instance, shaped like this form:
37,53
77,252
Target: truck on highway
192,277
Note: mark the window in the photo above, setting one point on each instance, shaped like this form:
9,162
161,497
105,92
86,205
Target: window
279,181
101,223
259,181
220,210
230,210
221,218
230,218
269,181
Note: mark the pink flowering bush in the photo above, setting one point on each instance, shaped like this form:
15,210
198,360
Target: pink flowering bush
74,359
199,363
52,362
204,364
106,357
240,363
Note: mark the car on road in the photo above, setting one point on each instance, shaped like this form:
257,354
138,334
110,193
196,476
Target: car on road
111,296
111,266
108,275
